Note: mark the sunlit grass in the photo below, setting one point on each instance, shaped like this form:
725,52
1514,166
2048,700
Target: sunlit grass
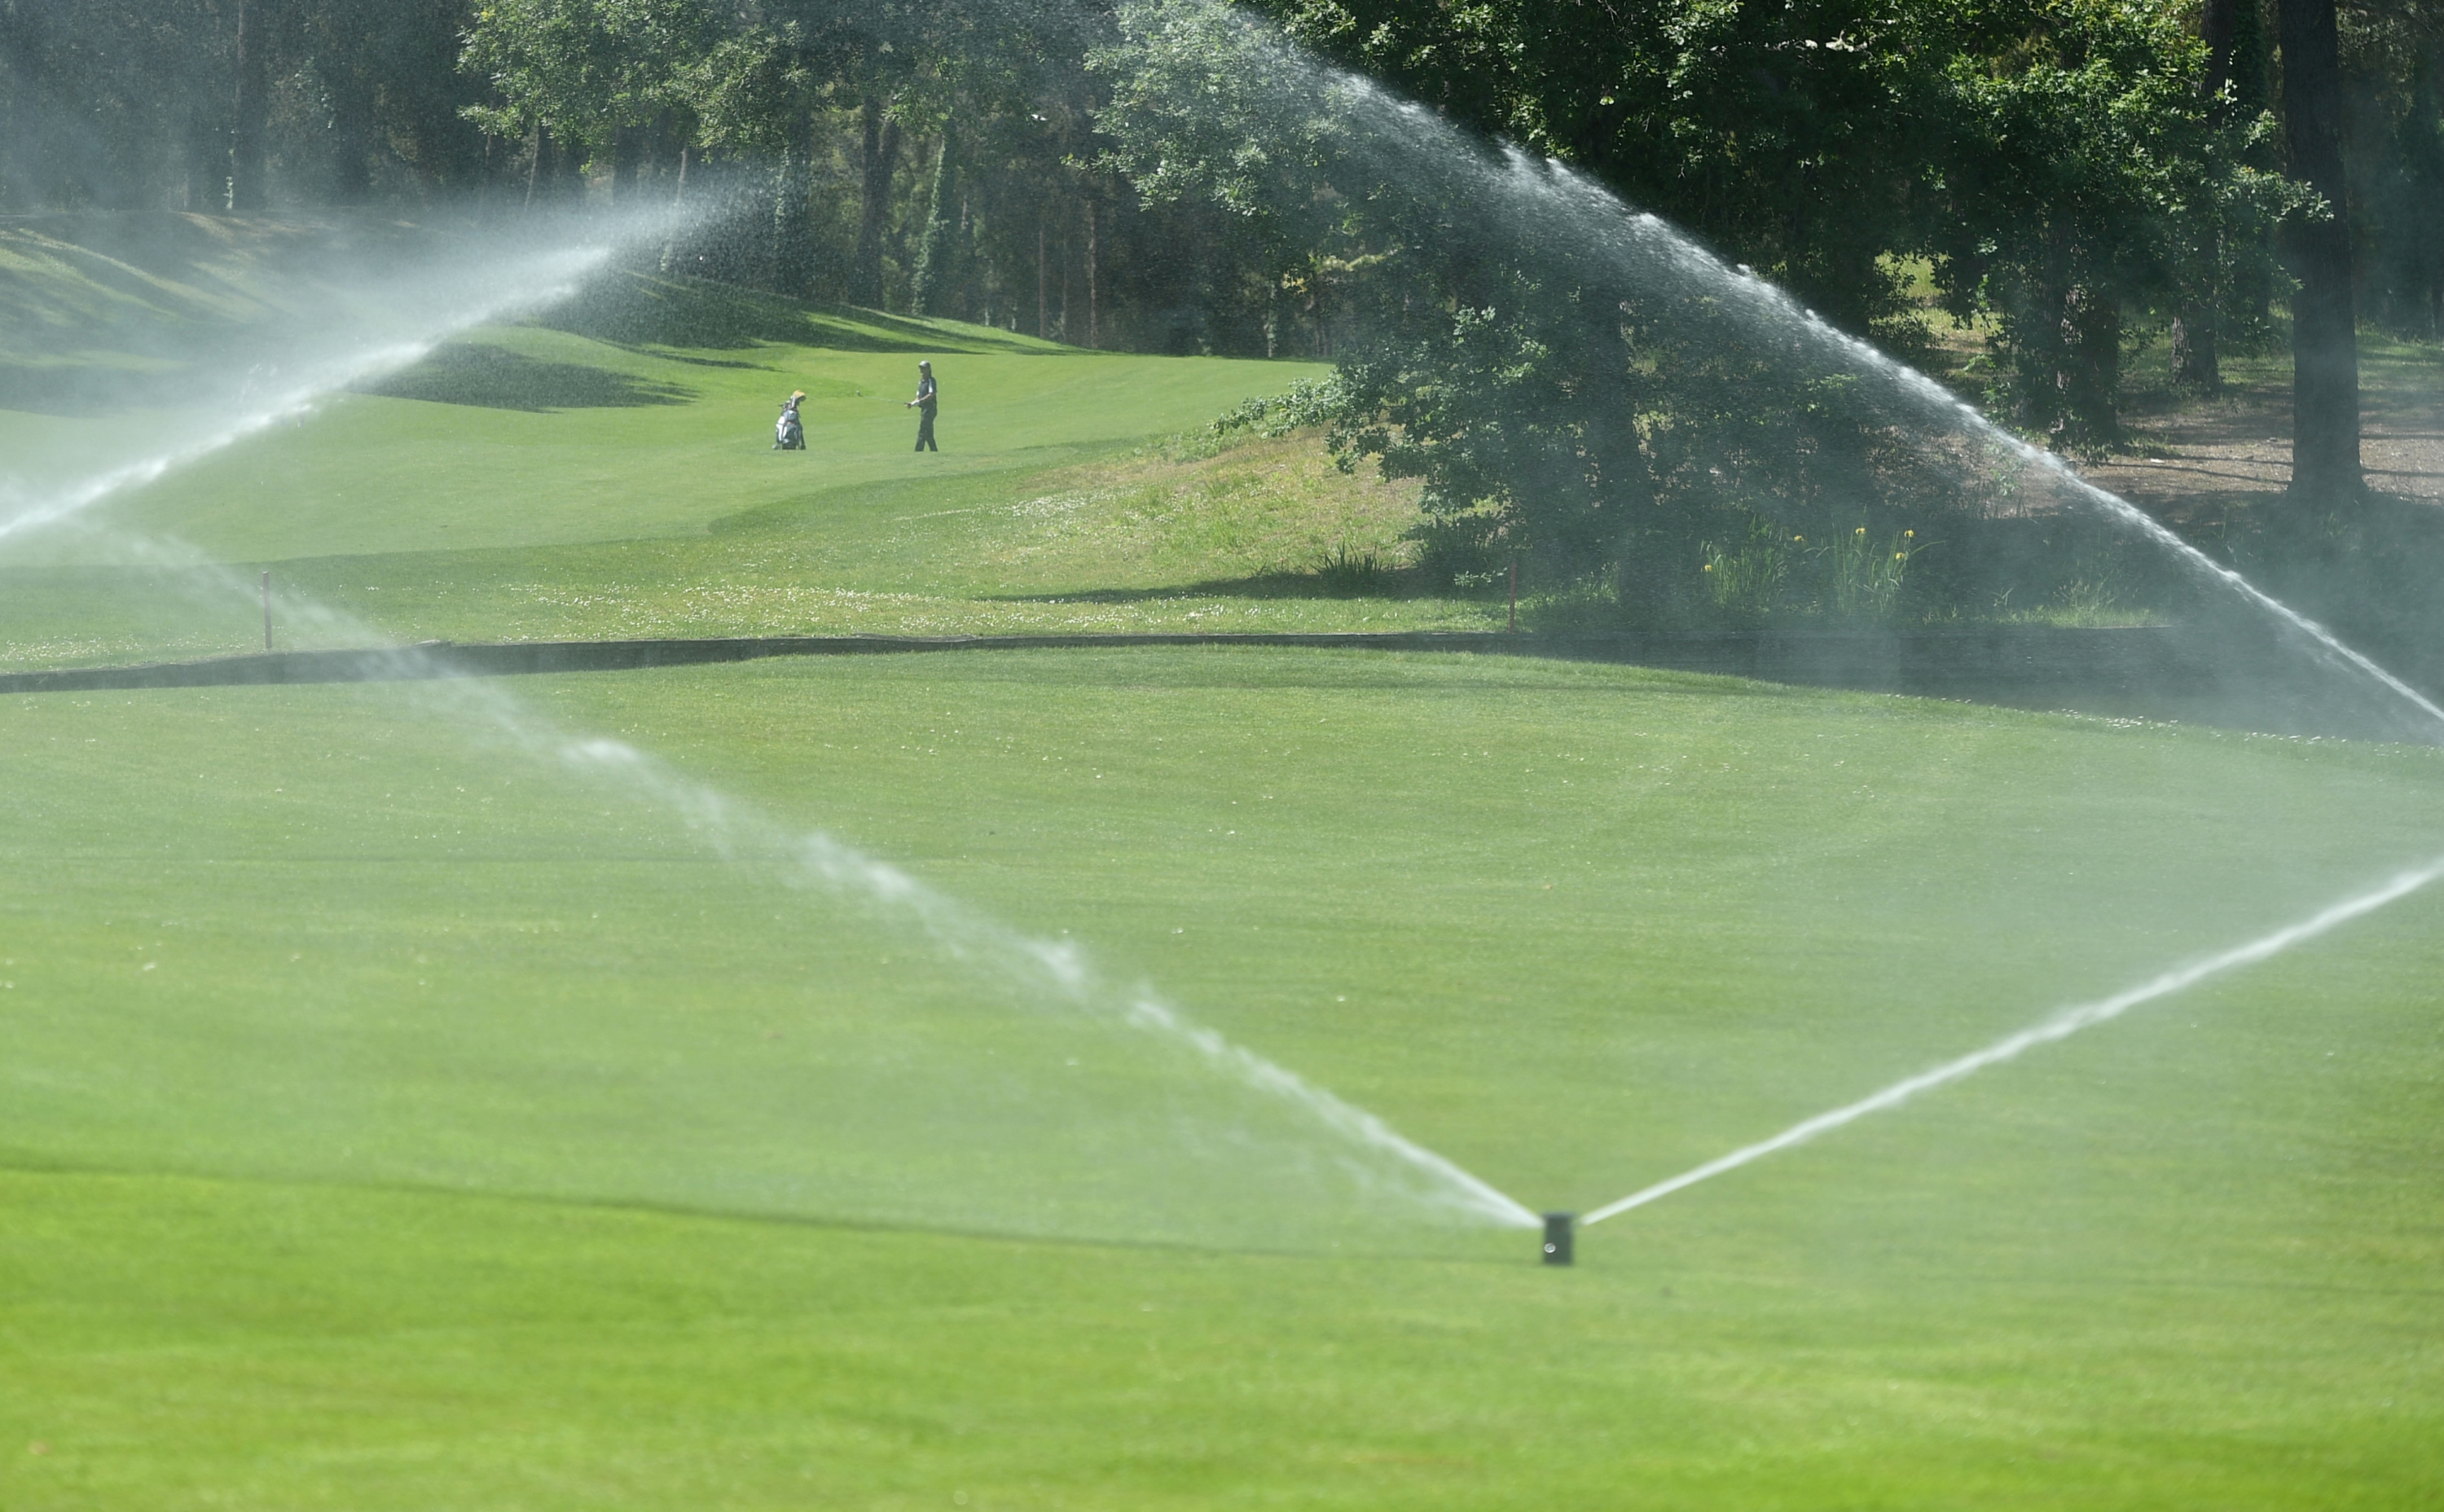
388,1119
363,1195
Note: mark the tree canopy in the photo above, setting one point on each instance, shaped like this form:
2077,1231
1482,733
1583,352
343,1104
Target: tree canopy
2067,177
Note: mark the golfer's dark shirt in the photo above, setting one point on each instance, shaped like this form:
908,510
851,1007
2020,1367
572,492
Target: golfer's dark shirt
925,393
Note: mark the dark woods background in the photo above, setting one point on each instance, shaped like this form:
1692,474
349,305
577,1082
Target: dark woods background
1812,139
2070,179
928,159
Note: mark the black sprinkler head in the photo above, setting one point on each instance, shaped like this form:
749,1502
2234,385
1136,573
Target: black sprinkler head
1557,1238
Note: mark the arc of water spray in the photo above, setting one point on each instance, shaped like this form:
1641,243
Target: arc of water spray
1058,967
1534,187
1057,970
530,283
2061,1026
725,824
961,929
1687,255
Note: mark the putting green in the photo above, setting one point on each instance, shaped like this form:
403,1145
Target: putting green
321,1068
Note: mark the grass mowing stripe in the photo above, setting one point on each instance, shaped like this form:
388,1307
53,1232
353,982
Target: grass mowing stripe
2060,1027
1755,893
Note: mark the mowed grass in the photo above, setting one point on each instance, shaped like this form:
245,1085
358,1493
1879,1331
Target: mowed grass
396,1113
394,1119
612,476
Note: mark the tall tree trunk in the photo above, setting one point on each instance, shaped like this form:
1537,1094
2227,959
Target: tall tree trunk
879,157
1043,289
2090,376
251,106
2218,24
2325,340
1094,335
2195,360
352,138
21,148
568,172
674,248
2039,343
793,226
627,152
207,187
539,166
931,279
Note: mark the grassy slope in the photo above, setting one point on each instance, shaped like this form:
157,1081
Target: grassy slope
385,1123
425,519
612,476
2184,1261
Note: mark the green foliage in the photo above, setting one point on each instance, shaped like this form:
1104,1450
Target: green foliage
1847,579
128,104
585,68
2090,187
1746,580
2394,126
1570,391
1351,573
1305,405
1862,578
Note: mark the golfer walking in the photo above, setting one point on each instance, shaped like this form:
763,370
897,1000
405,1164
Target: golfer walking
923,404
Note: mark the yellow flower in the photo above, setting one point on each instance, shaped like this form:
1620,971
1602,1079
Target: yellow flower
1709,566
1861,530
1799,540
1899,557
1908,534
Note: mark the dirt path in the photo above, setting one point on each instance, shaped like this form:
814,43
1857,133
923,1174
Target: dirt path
2206,458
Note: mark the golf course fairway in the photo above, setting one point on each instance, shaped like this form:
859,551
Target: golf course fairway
471,1095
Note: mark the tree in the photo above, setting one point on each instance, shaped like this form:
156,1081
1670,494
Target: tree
2324,329
576,74
22,46
932,271
2234,87
1584,410
1564,387
2088,182
878,161
2392,69
251,98
2059,158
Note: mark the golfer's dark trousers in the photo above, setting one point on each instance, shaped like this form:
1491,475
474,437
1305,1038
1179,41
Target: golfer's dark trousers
925,430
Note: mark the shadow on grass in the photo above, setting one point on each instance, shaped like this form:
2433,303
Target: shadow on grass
492,378
632,308
78,276
1332,581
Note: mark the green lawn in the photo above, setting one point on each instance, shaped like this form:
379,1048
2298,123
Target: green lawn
396,1118
1065,503
611,475
405,1102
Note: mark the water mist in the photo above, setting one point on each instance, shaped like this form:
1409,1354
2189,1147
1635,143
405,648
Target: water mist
1509,200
